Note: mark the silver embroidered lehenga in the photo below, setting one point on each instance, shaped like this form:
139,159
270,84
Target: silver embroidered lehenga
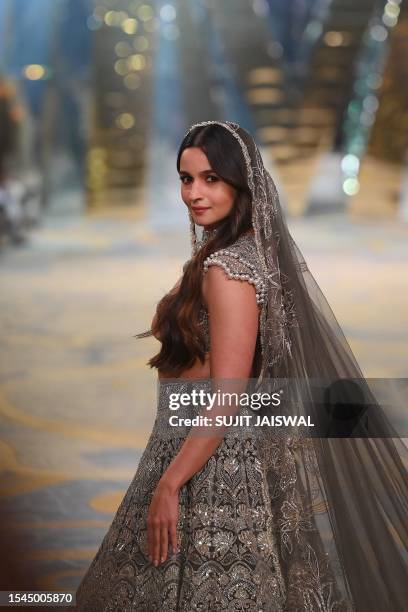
270,523
228,555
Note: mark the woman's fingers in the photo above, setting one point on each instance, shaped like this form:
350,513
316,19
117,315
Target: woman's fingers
153,538
158,537
164,543
173,537
150,538
156,542
161,525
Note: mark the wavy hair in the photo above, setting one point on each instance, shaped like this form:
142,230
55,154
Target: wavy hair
176,322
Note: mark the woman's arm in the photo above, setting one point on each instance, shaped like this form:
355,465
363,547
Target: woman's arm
233,318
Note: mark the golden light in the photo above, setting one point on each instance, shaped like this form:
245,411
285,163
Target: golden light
265,76
136,62
115,18
145,12
274,133
121,67
392,10
96,167
264,95
125,121
336,39
110,18
34,72
129,26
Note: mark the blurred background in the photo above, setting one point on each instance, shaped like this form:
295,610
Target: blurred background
95,97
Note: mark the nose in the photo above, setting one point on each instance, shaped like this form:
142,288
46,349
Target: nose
195,191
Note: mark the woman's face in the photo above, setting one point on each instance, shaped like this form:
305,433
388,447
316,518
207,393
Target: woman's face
208,196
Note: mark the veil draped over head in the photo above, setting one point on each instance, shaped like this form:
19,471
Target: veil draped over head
340,503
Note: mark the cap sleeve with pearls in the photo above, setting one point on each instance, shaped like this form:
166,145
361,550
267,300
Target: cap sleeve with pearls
240,261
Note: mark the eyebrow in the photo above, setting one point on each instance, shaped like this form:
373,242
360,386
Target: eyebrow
202,172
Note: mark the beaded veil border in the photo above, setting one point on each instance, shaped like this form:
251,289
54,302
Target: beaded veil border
340,505
264,209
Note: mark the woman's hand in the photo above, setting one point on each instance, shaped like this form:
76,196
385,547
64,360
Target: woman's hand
162,521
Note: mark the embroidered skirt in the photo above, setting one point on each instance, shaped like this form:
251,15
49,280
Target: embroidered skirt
227,558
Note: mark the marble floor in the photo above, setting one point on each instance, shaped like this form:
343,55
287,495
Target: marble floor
77,400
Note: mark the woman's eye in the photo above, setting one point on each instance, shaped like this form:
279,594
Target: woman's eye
186,179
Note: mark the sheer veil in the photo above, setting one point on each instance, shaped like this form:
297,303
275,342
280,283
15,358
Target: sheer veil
340,503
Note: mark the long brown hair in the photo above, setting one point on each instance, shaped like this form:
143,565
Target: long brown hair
177,314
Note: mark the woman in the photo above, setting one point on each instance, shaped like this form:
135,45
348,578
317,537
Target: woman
234,520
